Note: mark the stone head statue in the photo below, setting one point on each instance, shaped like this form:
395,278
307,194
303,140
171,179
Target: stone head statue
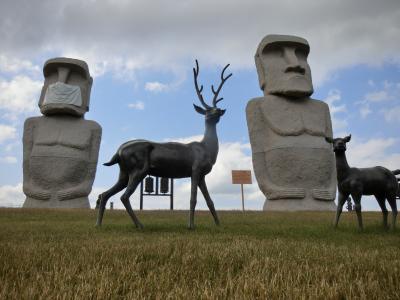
293,164
66,88
282,67
61,148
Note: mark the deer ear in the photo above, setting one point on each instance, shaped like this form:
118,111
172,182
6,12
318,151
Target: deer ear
222,111
347,138
199,109
328,139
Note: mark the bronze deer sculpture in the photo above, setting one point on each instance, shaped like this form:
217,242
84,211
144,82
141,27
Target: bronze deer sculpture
139,158
377,181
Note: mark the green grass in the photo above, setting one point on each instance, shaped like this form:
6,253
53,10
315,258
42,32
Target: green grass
59,254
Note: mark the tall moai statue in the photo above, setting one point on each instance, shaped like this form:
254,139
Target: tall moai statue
293,164
61,148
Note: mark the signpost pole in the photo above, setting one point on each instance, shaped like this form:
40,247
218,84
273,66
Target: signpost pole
141,195
241,186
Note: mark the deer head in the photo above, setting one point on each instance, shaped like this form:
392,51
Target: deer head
212,113
339,144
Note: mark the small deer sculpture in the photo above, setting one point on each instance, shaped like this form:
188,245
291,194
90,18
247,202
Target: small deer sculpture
377,181
139,158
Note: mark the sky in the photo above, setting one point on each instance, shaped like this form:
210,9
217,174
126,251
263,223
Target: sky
141,54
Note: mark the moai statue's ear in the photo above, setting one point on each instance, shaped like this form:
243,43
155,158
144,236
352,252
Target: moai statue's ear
90,81
347,138
260,71
199,109
328,139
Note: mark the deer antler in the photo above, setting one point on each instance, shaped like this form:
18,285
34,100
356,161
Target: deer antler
199,90
216,100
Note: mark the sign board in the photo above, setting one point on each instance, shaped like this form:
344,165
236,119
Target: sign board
241,177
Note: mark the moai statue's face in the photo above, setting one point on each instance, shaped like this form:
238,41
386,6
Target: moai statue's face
282,66
66,88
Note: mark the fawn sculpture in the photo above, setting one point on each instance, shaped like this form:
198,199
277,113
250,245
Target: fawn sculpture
377,181
139,158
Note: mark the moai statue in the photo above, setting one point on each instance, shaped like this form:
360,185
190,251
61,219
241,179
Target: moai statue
61,148
293,164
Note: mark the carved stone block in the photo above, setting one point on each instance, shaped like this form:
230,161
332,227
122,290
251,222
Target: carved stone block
61,148
293,164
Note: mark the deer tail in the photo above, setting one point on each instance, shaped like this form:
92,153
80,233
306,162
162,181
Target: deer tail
396,172
113,161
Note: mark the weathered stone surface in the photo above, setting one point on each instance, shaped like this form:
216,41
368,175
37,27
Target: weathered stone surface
61,148
293,164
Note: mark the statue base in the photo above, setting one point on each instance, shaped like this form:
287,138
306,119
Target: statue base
82,202
299,205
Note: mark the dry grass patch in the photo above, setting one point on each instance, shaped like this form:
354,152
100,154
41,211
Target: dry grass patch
59,254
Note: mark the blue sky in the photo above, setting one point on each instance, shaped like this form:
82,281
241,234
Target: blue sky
141,55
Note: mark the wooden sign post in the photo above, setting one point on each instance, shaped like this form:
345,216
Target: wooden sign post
241,177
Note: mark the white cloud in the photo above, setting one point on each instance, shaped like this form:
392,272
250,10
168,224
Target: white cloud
6,133
118,37
139,105
11,195
365,111
373,152
392,115
155,86
185,140
377,96
14,65
11,146
387,84
335,96
371,100
20,94
338,123
8,160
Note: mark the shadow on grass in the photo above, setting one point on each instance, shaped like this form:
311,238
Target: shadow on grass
308,226
304,226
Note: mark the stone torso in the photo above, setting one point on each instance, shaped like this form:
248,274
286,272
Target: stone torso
62,153
61,137
295,117
279,123
288,138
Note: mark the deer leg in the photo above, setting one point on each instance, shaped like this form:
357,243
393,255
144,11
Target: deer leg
393,206
357,201
193,199
103,197
381,201
210,203
134,180
341,200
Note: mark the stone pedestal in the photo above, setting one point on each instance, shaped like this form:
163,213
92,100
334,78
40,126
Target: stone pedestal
82,202
305,204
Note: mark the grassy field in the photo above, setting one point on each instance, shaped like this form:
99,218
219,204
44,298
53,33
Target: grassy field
59,254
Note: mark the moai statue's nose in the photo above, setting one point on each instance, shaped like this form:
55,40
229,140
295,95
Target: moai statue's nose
293,64
63,74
